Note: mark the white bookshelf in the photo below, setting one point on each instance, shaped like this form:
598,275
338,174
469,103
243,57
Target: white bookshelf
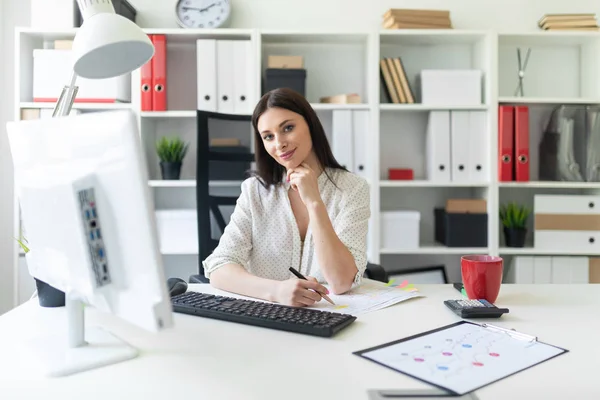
564,68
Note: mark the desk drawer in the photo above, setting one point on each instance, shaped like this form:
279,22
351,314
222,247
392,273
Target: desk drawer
566,204
583,241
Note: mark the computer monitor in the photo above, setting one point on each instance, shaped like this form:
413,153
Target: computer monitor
89,223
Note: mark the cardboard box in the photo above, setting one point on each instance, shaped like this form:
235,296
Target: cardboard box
293,62
473,206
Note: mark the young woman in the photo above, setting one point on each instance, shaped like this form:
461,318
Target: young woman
301,210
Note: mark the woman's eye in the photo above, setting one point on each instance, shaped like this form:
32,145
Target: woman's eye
267,137
288,128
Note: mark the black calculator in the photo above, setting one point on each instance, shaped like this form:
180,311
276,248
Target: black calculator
467,308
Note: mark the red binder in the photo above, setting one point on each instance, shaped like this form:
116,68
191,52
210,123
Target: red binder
505,143
146,84
159,73
522,143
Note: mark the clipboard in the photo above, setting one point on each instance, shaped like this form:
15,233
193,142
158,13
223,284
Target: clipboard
462,357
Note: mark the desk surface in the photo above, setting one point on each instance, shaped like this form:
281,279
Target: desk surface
211,359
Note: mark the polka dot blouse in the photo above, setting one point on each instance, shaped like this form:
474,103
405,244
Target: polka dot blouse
263,237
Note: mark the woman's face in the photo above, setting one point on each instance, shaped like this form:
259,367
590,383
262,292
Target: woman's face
286,136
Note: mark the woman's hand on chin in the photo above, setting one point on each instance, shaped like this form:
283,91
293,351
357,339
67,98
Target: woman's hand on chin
304,179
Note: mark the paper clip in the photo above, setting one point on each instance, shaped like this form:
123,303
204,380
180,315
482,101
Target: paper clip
511,332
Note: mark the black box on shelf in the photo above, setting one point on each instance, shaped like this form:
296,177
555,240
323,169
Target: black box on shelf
461,229
122,7
293,78
228,170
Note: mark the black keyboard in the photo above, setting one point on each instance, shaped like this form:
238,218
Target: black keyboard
258,313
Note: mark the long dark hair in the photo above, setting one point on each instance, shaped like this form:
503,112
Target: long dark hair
269,171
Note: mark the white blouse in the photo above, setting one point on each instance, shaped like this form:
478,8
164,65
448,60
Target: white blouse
263,237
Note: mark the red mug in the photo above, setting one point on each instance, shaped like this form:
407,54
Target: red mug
482,276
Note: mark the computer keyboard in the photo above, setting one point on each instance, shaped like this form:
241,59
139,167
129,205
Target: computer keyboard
258,313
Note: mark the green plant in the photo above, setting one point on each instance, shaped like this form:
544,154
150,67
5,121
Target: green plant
514,216
171,150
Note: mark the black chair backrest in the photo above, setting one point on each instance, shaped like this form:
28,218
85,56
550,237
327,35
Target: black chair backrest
205,203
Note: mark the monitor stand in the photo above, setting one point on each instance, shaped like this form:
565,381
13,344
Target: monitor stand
81,349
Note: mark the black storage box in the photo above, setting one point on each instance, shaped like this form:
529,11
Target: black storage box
294,79
228,170
461,229
122,7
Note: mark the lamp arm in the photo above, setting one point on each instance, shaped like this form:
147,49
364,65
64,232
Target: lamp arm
67,97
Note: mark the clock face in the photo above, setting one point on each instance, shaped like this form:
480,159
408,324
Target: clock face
204,14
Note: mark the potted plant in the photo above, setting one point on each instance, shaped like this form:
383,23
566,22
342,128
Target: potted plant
514,221
171,153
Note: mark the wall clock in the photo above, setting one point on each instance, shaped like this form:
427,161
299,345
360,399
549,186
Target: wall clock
202,14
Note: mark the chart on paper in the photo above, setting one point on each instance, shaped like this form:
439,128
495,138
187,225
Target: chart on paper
370,296
462,358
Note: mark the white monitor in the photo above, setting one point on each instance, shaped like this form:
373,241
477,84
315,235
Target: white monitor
89,223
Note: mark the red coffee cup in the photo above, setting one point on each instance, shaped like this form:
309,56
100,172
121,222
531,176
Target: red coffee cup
482,276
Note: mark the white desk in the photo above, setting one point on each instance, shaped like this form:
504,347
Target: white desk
209,359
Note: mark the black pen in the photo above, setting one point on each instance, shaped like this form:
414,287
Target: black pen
299,275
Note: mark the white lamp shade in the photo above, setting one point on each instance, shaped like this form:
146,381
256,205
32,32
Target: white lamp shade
109,45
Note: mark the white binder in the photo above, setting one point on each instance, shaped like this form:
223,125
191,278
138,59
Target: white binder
521,270
242,77
360,132
478,153
561,269
225,74
342,141
206,66
542,269
438,147
459,148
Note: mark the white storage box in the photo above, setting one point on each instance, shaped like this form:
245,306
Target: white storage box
177,231
52,70
451,87
400,229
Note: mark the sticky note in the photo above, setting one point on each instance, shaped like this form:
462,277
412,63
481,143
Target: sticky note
404,284
390,283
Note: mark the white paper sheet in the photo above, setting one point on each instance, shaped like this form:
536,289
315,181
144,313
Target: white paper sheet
461,358
369,296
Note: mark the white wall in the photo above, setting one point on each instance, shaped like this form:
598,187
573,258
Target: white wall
500,15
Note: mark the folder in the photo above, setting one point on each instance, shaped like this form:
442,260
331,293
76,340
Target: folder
438,147
242,77
521,143
459,145
542,269
342,141
159,73
206,69
505,143
225,82
521,270
478,153
146,84
360,130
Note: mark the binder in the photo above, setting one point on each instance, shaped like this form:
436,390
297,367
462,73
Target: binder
459,145
542,269
438,147
360,130
522,143
450,357
206,69
505,143
225,82
342,141
242,77
478,136
146,84
159,73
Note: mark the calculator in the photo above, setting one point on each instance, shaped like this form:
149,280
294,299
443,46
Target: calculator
468,308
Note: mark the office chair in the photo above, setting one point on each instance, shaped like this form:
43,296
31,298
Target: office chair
206,244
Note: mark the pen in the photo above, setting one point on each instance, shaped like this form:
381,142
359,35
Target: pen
299,275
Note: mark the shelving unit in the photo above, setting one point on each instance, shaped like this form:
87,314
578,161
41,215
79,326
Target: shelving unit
564,68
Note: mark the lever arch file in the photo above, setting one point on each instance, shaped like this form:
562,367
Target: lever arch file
463,356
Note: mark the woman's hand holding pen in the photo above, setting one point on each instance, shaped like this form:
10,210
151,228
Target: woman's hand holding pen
299,292
304,180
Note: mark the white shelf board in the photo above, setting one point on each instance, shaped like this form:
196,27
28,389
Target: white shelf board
316,37
179,35
187,183
548,100
550,185
79,106
47,34
430,36
521,251
429,107
422,183
436,249
169,114
548,38
332,106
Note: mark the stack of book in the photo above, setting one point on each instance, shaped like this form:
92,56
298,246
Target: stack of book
395,81
585,22
401,18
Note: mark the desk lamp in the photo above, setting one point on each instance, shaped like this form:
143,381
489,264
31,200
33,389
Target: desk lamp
106,45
